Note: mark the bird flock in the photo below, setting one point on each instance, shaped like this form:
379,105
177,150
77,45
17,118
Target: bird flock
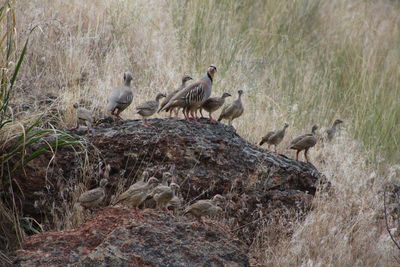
190,98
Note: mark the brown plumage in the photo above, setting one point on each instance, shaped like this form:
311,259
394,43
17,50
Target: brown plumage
134,196
234,110
193,96
165,101
212,104
205,207
175,203
304,142
330,133
83,116
148,108
274,137
94,197
163,194
121,98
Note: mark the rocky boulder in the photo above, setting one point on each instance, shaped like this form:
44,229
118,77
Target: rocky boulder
205,160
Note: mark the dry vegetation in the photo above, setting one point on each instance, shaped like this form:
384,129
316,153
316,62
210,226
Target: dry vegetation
300,62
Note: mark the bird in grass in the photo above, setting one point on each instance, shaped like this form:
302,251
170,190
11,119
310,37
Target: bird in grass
330,133
304,142
274,137
121,97
83,116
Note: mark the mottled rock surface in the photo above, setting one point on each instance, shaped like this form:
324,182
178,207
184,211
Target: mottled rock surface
205,160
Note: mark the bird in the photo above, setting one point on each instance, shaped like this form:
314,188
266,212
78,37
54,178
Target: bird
274,137
234,110
148,108
163,194
142,181
94,197
185,79
193,96
121,98
205,207
304,142
83,116
175,203
330,133
212,104
150,202
134,196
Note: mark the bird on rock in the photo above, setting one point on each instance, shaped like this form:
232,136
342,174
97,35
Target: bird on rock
205,207
121,97
165,101
212,104
304,142
193,96
83,116
274,137
234,110
134,196
94,197
148,108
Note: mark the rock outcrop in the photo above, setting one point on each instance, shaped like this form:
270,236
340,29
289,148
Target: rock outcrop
205,160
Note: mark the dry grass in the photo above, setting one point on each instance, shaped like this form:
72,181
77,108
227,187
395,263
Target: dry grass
300,62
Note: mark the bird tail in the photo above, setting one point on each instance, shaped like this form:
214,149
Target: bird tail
166,106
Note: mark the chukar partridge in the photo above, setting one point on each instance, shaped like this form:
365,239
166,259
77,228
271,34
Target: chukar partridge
120,98
234,110
330,133
304,142
193,96
83,116
148,108
165,101
212,104
94,197
274,137
205,207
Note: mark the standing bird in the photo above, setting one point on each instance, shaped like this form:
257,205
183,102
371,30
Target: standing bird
121,98
163,194
94,197
185,79
175,203
274,137
304,142
134,196
142,181
83,116
332,131
212,104
148,108
193,96
234,110
205,207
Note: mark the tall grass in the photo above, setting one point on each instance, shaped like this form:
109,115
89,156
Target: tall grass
301,62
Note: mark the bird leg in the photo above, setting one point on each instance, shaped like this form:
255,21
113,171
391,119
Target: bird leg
201,113
117,115
305,155
297,154
211,118
144,122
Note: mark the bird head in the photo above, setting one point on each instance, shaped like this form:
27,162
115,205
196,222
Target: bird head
153,181
166,176
145,175
186,78
338,121
226,95
175,187
212,69
159,96
218,198
76,105
128,76
314,128
286,125
240,92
